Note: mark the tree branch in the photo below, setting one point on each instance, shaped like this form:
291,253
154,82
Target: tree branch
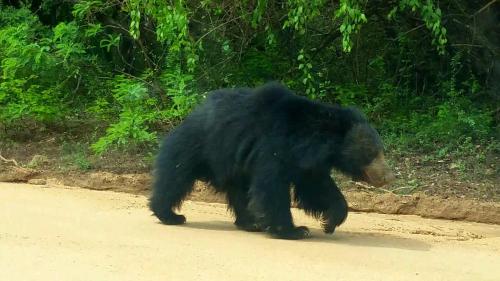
485,7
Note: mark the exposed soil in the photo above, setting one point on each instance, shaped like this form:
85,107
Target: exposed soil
446,178
425,188
65,233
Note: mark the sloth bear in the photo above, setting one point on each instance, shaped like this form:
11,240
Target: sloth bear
256,145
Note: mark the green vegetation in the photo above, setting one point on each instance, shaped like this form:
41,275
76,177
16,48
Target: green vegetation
425,72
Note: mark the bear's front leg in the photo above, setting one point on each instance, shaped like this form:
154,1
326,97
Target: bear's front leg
335,215
270,203
337,210
318,195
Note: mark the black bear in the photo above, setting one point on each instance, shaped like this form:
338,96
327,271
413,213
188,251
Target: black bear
254,145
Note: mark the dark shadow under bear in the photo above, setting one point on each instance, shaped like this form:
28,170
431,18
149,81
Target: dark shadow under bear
253,144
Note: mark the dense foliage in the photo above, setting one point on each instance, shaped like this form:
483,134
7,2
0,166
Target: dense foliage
426,72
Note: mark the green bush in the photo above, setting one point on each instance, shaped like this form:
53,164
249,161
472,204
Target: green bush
136,66
135,111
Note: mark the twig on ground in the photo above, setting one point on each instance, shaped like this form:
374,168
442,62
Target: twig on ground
403,187
383,189
372,187
9,160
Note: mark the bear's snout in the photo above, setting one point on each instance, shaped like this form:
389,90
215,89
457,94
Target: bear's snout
378,173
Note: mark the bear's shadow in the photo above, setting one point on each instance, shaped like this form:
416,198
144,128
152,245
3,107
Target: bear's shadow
354,238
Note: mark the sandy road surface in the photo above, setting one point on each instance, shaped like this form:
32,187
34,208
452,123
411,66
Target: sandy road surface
76,234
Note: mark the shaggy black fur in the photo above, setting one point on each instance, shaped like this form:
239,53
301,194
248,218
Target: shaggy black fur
253,144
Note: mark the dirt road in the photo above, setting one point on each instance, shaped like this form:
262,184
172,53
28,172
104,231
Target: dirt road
77,234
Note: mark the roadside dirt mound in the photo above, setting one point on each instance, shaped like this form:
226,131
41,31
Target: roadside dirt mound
133,183
363,201
389,203
425,206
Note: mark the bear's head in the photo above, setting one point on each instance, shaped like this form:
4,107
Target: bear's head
363,156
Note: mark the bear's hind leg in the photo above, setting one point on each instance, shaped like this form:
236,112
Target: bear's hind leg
238,202
168,194
270,202
173,183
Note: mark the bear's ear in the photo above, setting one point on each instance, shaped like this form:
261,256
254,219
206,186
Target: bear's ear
342,119
354,115
336,119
